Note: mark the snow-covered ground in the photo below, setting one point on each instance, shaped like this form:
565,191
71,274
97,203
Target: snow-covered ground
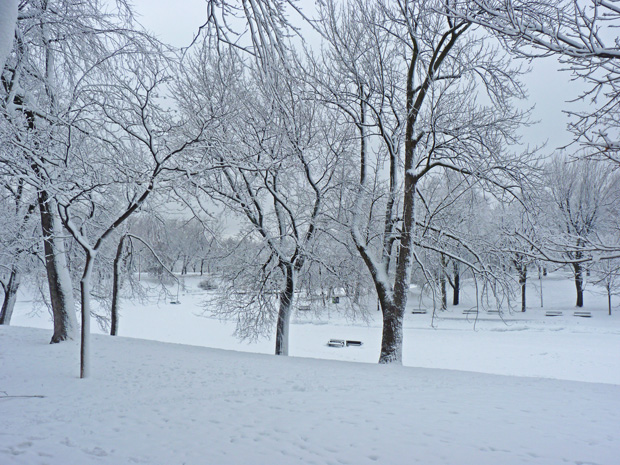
529,389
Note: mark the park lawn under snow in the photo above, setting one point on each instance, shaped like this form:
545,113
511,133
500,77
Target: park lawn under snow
156,403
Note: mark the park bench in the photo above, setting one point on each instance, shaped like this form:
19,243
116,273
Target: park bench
336,343
583,314
553,313
343,343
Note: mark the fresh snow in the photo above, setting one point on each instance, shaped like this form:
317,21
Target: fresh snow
530,390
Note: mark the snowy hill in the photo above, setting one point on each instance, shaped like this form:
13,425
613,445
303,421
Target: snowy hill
157,403
529,389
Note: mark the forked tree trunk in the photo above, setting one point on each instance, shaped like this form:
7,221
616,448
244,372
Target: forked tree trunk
10,296
58,277
284,311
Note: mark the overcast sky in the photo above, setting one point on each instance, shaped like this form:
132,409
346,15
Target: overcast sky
177,22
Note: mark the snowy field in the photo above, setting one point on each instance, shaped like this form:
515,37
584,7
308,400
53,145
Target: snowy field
528,389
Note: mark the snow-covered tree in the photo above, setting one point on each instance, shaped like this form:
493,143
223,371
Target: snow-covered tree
582,36
19,240
412,79
584,198
273,165
138,141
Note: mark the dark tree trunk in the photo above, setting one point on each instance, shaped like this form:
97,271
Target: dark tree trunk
444,291
284,312
442,283
609,298
392,336
456,289
116,287
578,271
10,296
58,278
523,283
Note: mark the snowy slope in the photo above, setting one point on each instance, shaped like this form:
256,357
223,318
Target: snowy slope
156,403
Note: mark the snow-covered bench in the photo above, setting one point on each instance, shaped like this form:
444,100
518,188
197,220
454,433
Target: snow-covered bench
343,343
553,313
336,343
354,343
583,314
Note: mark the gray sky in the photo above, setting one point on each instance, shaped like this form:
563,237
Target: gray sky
177,22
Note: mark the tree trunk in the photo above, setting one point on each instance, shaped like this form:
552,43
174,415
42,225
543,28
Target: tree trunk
444,292
392,336
10,296
394,308
442,283
116,287
523,283
284,312
456,290
85,286
578,283
541,286
58,277
609,297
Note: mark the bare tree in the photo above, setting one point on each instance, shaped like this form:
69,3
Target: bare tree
581,34
273,164
583,194
606,273
136,145
122,265
58,43
435,66
19,240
